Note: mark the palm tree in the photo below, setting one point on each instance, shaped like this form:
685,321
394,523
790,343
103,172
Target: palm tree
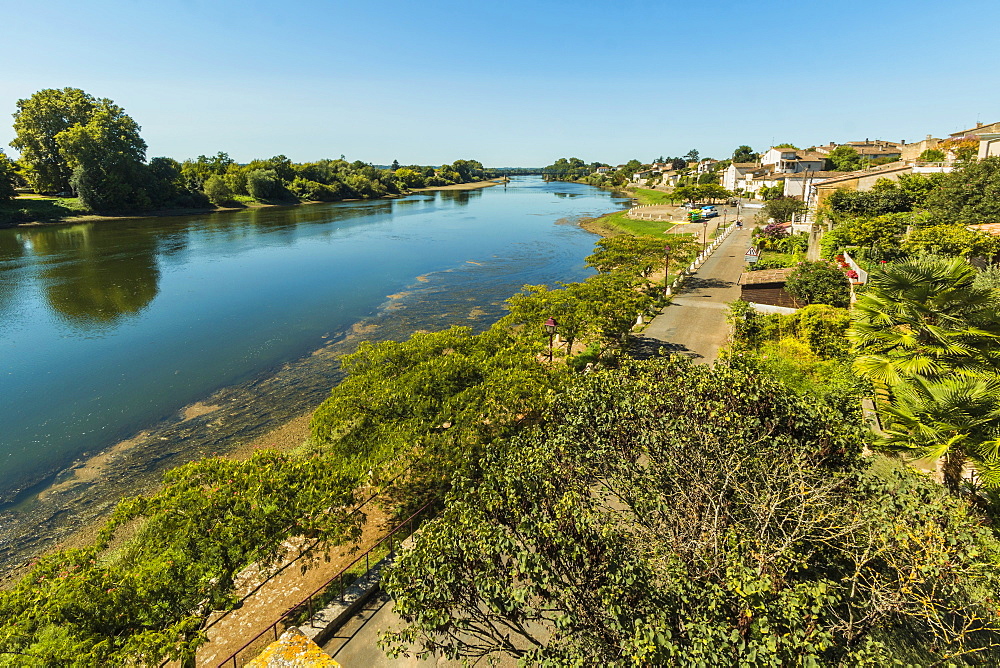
927,338
955,418
924,318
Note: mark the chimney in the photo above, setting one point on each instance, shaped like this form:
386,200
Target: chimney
928,138
978,125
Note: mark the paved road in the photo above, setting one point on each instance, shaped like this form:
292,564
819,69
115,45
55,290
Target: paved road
695,322
356,643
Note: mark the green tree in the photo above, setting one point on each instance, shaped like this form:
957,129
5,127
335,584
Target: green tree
692,155
969,195
264,184
217,191
37,122
652,522
7,191
957,419
783,209
931,155
744,154
768,193
818,283
925,318
953,240
107,158
163,563
438,398
844,159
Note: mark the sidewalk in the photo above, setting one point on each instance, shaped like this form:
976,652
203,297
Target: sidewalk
694,324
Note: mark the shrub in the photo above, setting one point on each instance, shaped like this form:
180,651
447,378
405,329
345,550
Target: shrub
217,191
819,283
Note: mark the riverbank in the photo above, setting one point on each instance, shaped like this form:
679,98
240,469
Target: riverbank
81,218
271,408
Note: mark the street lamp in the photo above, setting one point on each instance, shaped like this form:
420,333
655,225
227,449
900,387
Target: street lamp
550,327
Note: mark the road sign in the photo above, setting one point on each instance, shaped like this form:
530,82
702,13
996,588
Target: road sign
752,255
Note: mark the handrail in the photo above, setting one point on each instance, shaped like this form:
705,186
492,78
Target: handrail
307,601
302,553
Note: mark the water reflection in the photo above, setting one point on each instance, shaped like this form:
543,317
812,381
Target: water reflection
90,280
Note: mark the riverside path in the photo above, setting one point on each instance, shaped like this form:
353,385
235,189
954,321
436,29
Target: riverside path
694,323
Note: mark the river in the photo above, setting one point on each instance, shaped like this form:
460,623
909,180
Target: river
128,347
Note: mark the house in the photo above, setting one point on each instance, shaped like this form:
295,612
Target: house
793,160
979,129
733,177
707,165
767,286
989,145
870,149
603,170
800,185
861,180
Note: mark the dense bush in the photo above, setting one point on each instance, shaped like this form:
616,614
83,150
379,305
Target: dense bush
819,283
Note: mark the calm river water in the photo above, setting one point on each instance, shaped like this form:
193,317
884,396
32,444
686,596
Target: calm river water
112,329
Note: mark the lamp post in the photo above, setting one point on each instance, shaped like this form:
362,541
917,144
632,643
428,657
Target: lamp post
666,270
704,235
550,327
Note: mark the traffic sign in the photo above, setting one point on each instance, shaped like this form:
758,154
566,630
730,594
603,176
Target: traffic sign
753,254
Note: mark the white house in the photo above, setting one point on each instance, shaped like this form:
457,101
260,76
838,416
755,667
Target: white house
793,160
735,174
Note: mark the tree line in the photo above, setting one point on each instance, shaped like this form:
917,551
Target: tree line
72,143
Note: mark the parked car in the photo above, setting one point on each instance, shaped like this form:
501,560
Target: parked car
709,212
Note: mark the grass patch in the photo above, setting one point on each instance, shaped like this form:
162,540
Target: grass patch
650,228
647,196
33,208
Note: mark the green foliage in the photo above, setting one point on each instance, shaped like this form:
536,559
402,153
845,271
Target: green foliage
886,196
639,256
782,209
818,283
163,563
441,397
672,514
925,318
744,154
844,159
7,191
879,237
926,335
931,155
217,191
768,193
263,184
952,240
37,122
969,195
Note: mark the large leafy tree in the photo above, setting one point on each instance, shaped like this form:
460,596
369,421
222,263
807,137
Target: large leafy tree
434,402
38,121
107,156
844,159
7,191
678,515
744,154
968,195
163,563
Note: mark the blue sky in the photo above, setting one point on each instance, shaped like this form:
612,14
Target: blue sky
511,82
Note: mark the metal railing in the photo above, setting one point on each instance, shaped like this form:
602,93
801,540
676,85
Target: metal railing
311,605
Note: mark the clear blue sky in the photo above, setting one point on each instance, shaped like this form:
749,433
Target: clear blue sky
510,82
